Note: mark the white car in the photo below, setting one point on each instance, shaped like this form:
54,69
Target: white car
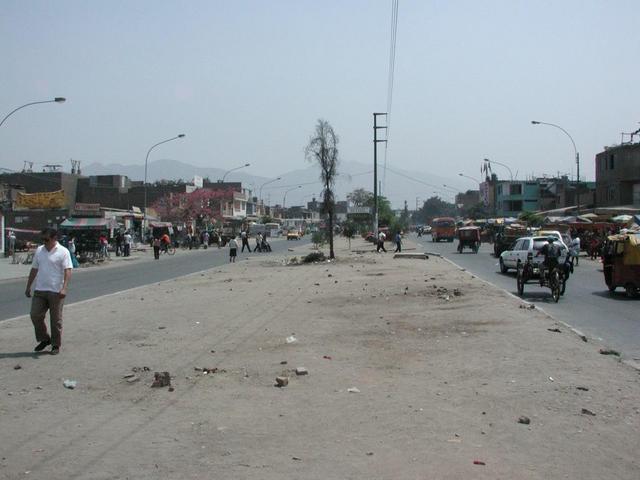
518,252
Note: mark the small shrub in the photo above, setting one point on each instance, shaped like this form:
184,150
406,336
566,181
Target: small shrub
318,238
314,257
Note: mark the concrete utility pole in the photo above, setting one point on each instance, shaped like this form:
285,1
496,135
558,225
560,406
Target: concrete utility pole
375,170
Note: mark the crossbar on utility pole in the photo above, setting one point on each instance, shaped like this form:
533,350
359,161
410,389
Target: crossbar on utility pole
375,171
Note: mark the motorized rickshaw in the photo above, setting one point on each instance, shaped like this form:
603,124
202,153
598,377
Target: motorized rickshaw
555,279
621,263
469,237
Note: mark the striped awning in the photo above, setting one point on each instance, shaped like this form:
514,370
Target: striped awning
89,223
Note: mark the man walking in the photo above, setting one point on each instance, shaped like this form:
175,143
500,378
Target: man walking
233,249
398,240
127,243
244,236
381,238
51,271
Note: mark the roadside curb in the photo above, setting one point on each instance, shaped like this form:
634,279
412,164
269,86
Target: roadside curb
629,362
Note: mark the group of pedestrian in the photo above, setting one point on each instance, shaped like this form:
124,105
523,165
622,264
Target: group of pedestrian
262,245
382,238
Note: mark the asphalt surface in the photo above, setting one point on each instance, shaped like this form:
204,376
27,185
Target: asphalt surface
587,304
97,281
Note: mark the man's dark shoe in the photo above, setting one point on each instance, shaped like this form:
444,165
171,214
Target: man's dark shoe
55,350
42,345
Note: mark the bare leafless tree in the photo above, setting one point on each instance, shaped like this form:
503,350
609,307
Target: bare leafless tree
323,149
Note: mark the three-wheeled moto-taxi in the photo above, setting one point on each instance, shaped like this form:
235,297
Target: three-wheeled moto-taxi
555,280
469,237
621,263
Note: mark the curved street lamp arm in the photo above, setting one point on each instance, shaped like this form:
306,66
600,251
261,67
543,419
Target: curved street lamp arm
534,122
154,146
470,178
502,165
56,100
267,183
233,170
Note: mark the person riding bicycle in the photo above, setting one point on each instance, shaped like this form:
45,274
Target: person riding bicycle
165,241
551,253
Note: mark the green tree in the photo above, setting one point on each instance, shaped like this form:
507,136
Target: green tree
530,218
323,149
435,207
361,197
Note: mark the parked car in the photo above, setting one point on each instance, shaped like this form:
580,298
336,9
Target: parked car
517,253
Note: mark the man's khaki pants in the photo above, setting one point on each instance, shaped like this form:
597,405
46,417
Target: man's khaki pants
40,303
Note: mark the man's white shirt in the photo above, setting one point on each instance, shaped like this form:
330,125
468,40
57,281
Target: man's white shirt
51,266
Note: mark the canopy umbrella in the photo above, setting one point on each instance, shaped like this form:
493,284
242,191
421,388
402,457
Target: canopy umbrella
89,224
622,218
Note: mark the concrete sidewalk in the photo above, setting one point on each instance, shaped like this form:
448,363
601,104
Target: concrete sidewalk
416,370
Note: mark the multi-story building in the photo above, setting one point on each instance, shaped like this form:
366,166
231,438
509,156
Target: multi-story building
467,199
618,176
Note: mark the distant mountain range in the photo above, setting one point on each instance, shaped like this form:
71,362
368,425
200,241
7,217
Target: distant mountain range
400,185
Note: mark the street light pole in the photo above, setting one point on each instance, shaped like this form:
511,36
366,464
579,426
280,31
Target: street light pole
502,165
577,155
267,183
284,199
55,100
146,161
233,170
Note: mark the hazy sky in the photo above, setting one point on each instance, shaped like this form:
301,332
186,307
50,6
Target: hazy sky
247,80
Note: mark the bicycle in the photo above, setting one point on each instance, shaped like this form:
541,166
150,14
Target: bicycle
169,249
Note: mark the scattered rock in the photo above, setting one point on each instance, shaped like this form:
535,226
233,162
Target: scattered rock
161,328
586,411
584,389
133,379
70,384
297,459
282,382
327,357
17,367
171,389
291,339
478,462
369,454
528,306
353,390
609,351
329,275
302,371
161,379
283,362
129,375
524,420
555,330
457,292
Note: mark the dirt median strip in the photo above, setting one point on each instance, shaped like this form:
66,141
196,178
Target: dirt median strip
441,366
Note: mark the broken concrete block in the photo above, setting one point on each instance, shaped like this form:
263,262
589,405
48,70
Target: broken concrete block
302,371
282,381
161,379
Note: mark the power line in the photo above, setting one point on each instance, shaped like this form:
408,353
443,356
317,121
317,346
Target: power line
392,64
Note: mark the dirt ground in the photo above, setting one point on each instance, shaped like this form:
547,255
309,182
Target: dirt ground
440,366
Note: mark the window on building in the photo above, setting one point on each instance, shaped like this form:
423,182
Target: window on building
516,189
611,161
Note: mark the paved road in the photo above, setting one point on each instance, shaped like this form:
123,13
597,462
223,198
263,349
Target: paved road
94,282
587,304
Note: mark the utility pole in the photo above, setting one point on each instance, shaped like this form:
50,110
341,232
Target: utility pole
375,171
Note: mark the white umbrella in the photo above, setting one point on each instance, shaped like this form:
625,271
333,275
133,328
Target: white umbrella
622,218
